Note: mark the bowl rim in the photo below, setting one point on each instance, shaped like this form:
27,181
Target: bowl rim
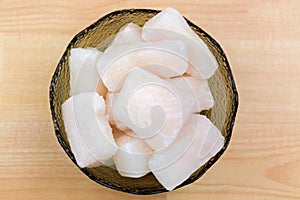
62,143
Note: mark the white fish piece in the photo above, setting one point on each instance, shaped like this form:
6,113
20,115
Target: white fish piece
198,87
132,157
169,24
152,108
109,101
198,141
166,58
88,131
83,70
128,34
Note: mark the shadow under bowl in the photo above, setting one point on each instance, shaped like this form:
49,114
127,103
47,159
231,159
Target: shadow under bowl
221,83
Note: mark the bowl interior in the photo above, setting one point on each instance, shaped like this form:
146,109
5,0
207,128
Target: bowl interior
221,83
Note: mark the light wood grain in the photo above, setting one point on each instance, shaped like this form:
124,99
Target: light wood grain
262,42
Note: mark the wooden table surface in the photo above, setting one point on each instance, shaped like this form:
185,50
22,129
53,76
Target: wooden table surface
262,42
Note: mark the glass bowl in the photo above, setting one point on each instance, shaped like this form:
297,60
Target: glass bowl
221,83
